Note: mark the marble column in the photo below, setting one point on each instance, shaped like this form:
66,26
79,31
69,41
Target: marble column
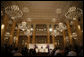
69,32
34,30
4,26
64,37
29,35
17,37
48,35
78,31
12,32
53,36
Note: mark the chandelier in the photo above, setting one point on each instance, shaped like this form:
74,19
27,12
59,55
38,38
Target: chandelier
58,29
73,12
56,32
27,32
58,11
74,34
7,34
23,26
53,20
61,27
25,10
13,11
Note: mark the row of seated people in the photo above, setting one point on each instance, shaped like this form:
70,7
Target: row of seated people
68,51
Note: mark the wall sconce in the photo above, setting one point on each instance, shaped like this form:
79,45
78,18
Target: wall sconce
2,26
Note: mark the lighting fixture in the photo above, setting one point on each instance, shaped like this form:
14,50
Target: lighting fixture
61,27
23,26
74,18
72,9
2,26
53,20
25,9
74,34
71,23
13,11
29,19
78,26
56,33
7,34
58,11
31,29
50,29
73,12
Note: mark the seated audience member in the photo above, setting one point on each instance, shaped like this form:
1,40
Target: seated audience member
24,51
17,53
81,51
58,51
72,53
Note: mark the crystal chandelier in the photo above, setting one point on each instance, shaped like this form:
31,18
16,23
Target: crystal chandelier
58,29
58,11
7,34
74,34
73,12
13,11
23,26
27,32
25,9
56,32
61,27
53,20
